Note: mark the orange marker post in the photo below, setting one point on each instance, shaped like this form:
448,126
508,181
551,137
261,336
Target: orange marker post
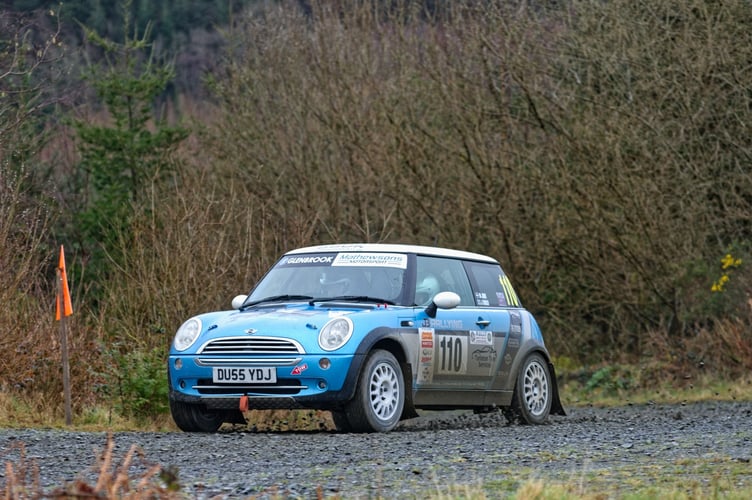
63,309
64,304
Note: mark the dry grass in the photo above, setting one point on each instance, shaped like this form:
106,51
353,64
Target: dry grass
114,479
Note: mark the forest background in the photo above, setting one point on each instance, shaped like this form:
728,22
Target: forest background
602,151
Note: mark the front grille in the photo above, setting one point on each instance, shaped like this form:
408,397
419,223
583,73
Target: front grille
241,361
251,346
250,351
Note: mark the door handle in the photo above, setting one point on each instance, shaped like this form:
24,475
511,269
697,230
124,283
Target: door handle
483,322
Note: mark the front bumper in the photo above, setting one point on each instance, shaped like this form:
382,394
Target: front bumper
307,384
324,401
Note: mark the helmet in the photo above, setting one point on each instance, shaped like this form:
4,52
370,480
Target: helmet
426,289
333,284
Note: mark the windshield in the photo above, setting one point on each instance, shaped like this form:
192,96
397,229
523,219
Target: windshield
324,276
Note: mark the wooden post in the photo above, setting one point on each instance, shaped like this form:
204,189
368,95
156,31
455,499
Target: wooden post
64,350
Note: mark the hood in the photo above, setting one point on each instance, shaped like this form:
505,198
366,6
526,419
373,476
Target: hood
299,321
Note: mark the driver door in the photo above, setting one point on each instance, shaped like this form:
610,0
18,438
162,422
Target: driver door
459,348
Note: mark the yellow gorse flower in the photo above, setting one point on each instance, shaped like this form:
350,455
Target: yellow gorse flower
728,261
718,285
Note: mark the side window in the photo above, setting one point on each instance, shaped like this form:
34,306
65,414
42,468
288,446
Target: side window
436,274
491,286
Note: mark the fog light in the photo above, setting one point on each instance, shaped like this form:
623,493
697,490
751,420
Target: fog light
178,364
182,384
324,363
322,384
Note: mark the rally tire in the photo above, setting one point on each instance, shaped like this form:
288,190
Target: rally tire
195,418
379,396
533,393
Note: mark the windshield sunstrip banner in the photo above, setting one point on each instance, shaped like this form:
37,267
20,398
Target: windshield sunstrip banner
347,259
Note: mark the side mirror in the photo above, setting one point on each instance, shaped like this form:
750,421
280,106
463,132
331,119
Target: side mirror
442,300
238,301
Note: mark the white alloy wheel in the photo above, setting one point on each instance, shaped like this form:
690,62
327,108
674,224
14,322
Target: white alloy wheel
384,390
379,396
533,391
535,388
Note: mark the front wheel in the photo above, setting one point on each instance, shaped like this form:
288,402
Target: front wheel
195,418
533,391
379,396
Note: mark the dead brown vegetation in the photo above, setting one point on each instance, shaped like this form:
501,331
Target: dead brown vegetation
601,151
114,479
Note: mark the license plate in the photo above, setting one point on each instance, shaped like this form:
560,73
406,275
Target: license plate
244,375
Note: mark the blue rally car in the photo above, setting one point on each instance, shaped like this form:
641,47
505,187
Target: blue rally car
370,332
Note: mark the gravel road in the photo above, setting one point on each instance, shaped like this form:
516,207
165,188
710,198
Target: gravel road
425,456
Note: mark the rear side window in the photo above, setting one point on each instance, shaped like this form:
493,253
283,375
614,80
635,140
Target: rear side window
491,287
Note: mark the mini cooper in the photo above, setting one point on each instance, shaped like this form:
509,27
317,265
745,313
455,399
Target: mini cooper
369,332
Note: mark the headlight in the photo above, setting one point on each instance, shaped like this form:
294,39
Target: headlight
335,334
187,334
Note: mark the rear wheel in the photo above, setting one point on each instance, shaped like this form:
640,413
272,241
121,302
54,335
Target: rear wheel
380,395
195,418
533,393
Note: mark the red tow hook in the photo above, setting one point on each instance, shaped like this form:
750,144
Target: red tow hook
243,406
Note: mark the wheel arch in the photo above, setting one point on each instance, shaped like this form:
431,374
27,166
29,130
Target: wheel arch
556,407
390,340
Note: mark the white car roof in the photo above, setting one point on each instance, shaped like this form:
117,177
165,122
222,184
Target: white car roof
395,248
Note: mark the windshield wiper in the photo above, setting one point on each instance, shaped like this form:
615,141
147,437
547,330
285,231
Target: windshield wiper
353,298
276,298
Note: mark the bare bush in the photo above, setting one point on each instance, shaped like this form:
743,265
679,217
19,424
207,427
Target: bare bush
597,149
650,112
29,58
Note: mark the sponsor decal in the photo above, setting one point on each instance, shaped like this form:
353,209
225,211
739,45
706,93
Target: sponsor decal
481,299
479,337
501,298
293,311
513,343
484,356
508,359
425,373
426,338
243,318
371,259
444,324
299,369
425,361
307,260
337,314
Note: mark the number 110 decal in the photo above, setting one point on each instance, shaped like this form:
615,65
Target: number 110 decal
451,354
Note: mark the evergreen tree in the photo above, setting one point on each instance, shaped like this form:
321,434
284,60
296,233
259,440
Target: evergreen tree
121,158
